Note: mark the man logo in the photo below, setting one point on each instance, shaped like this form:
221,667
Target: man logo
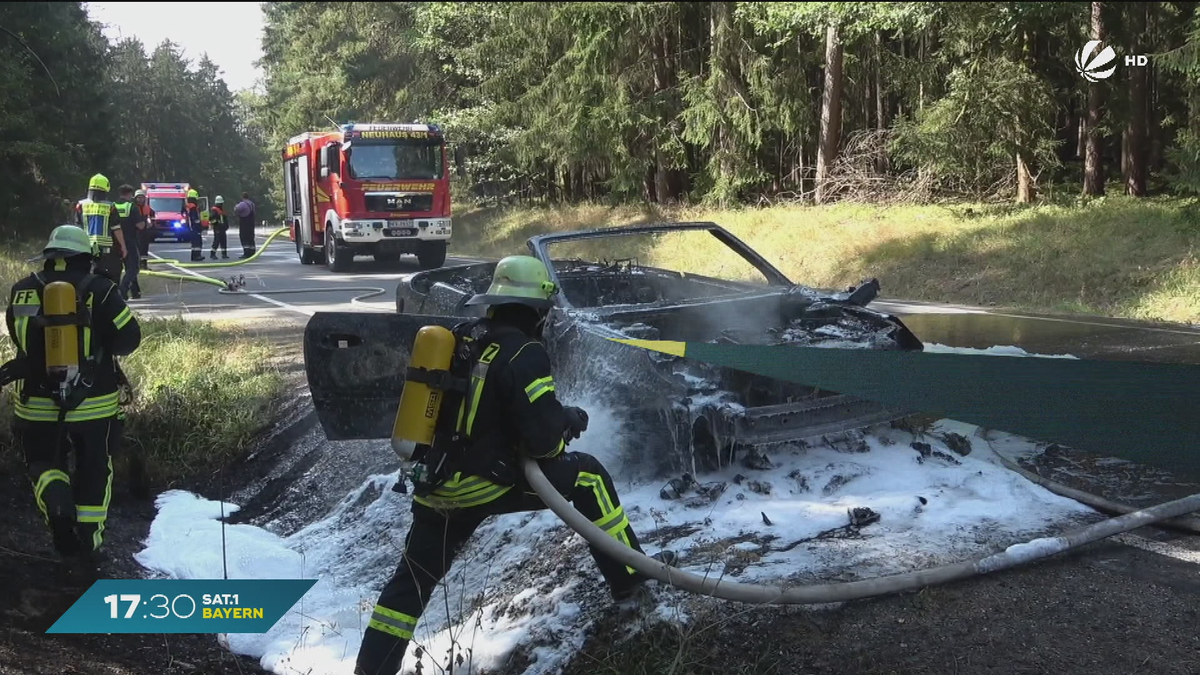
1090,67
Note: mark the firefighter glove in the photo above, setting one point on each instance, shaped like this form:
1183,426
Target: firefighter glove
577,422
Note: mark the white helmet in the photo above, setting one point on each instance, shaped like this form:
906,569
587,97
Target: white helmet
219,200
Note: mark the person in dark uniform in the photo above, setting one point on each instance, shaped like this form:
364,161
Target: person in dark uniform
245,213
510,409
57,410
220,228
195,224
131,222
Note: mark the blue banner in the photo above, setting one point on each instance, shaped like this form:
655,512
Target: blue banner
182,606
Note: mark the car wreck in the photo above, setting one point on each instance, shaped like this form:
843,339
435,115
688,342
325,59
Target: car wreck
686,416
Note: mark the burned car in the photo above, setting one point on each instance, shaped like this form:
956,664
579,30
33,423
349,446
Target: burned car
688,416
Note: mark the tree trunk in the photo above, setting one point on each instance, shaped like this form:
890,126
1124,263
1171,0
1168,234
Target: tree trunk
666,182
1135,130
831,108
881,162
1026,189
1093,161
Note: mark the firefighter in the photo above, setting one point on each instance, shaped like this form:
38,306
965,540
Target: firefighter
146,234
510,409
195,224
66,393
100,219
220,226
132,222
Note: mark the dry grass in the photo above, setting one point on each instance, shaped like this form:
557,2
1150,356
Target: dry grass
203,392
1114,256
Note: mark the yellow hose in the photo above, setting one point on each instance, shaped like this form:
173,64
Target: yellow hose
168,261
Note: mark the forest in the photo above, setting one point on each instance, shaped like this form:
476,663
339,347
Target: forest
723,103
73,104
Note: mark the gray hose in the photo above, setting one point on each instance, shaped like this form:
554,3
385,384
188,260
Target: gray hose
1189,524
854,590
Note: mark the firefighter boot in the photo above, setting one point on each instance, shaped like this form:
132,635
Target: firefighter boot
212,255
634,595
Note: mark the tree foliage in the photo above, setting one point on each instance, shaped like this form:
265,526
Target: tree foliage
72,104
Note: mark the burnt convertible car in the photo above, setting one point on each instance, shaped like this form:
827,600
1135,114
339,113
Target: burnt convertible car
687,416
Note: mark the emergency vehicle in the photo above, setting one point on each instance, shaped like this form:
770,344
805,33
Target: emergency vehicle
168,201
368,189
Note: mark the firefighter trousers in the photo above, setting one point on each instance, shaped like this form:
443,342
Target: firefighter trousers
246,235
220,241
197,237
74,505
436,537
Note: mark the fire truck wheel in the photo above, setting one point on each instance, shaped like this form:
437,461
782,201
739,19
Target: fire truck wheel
432,254
337,258
305,254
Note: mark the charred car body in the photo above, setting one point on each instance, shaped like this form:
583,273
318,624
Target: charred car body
688,416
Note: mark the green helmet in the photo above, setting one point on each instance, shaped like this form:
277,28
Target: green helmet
519,279
192,194
99,182
65,241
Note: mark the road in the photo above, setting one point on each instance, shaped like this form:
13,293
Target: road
276,269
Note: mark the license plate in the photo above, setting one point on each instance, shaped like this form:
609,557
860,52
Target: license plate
400,231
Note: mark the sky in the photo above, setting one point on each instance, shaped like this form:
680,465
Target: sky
230,32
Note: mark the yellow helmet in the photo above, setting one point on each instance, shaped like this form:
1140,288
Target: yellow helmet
99,182
192,194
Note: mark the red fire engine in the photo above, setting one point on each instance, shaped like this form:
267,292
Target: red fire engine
368,189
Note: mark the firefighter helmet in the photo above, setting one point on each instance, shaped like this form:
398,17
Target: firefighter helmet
192,194
99,182
519,279
219,200
139,193
65,241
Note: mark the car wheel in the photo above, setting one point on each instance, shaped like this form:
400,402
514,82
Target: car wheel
432,255
337,258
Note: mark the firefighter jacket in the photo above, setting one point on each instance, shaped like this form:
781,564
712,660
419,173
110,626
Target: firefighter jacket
100,219
192,214
216,218
110,331
509,409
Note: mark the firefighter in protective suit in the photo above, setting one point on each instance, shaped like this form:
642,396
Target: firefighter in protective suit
195,224
102,221
508,409
67,387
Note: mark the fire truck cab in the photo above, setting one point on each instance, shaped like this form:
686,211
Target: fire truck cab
368,189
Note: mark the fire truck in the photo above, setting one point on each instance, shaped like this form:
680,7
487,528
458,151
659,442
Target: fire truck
168,201
368,189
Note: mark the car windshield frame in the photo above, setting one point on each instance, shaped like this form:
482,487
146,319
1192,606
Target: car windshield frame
434,147
776,280
177,208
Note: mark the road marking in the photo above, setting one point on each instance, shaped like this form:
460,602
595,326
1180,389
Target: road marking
1160,547
256,296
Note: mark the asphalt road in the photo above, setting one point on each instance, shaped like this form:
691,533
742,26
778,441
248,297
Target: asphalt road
277,269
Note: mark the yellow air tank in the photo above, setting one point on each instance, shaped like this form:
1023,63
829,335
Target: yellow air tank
62,342
420,403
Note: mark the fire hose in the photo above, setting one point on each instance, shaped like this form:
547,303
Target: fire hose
232,287
1012,556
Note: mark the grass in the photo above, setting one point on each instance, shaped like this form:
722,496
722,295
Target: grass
202,391
1114,256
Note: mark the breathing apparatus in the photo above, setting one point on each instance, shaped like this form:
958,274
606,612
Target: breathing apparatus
428,434
61,312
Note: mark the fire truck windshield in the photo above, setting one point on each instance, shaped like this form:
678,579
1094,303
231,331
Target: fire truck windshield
394,161
166,204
